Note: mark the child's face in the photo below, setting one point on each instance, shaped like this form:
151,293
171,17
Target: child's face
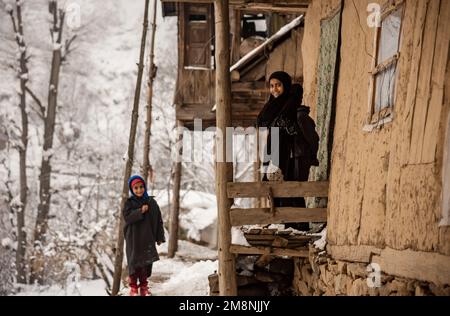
276,87
138,189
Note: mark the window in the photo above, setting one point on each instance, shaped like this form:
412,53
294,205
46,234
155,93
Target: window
198,37
445,221
384,67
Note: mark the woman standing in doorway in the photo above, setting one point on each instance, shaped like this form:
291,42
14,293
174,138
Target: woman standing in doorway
298,140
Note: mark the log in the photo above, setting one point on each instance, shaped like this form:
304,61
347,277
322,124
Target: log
224,170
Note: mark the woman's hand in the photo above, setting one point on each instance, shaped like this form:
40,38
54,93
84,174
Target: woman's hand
144,208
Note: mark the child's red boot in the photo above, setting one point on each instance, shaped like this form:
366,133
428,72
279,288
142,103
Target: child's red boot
134,291
145,291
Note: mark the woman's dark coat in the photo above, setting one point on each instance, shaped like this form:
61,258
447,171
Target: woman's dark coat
141,231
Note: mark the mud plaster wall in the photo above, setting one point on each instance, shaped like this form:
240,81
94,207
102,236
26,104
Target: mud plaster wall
385,185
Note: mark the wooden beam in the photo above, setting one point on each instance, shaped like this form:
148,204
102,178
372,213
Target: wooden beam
238,249
253,86
299,6
253,216
280,189
224,170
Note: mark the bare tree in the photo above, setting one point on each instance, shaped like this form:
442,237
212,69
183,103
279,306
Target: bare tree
147,170
56,31
130,157
175,209
22,72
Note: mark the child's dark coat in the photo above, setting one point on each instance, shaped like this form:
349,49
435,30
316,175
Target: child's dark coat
141,232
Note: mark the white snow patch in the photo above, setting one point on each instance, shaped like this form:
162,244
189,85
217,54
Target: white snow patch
322,242
187,281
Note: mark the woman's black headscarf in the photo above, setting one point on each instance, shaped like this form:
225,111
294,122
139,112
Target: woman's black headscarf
275,106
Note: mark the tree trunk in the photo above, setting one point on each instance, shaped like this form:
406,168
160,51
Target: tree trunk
37,265
147,171
175,210
227,271
23,75
129,162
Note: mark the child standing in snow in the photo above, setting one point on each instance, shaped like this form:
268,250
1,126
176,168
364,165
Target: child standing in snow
143,228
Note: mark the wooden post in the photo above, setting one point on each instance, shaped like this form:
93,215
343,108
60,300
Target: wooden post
129,160
175,210
236,30
227,271
256,167
147,171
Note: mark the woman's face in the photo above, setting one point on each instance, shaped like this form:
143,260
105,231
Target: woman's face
276,87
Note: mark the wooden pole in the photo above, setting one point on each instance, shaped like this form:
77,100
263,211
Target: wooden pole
175,210
147,170
227,271
129,161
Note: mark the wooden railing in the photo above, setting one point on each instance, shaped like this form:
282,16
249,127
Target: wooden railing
275,215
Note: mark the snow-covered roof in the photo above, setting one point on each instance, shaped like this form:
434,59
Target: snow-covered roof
255,52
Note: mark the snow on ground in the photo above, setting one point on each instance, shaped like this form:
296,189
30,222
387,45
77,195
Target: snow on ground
186,274
190,280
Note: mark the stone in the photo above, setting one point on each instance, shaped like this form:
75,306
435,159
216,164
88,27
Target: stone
340,284
374,291
357,270
420,291
303,288
397,285
385,278
329,292
306,273
359,288
438,290
323,272
342,267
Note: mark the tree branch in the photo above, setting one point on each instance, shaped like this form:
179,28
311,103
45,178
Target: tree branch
67,47
38,102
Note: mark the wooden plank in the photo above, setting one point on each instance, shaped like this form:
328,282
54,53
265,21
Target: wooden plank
423,88
407,113
424,266
298,73
237,249
290,47
299,6
280,242
256,86
361,253
293,238
280,189
282,215
437,85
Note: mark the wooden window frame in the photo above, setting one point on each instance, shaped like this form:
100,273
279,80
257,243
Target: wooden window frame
210,64
445,220
383,116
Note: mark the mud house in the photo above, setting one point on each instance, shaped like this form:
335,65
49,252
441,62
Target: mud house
376,74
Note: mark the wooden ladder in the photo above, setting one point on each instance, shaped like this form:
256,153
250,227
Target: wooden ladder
275,215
